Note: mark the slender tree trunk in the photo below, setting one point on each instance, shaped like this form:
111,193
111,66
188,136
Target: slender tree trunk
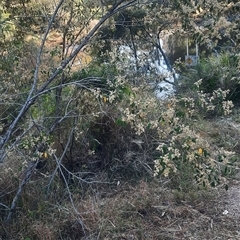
134,49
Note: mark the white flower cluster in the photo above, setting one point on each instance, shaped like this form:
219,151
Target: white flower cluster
178,141
140,110
227,107
216,102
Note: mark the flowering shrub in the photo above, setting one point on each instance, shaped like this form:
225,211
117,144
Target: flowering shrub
214,103
116,114
118,125
178,141
169,123
182,143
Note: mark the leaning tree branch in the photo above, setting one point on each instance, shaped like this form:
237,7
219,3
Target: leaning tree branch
158,46
28,103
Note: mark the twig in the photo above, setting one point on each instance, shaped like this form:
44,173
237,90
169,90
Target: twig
70,194
60,160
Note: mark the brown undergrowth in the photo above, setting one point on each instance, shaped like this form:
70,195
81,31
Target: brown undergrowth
148,210
168,208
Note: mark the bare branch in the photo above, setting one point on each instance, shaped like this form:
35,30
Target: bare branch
61,158
29,172
59,169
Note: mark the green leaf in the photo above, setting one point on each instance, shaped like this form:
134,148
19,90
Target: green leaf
126,90
205,153
165,149
120,122
213,184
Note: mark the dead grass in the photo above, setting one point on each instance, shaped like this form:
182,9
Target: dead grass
149,209
166,209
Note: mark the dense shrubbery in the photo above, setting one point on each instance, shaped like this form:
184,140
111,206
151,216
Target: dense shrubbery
216,72
101,123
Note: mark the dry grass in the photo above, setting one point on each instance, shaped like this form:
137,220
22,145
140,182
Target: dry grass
148,209
144,211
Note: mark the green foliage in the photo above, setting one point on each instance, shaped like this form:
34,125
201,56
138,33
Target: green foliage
45,106
216,72
126,25
85,122
129,18
7,27
219,72
103,71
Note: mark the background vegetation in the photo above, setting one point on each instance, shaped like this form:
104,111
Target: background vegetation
87,149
